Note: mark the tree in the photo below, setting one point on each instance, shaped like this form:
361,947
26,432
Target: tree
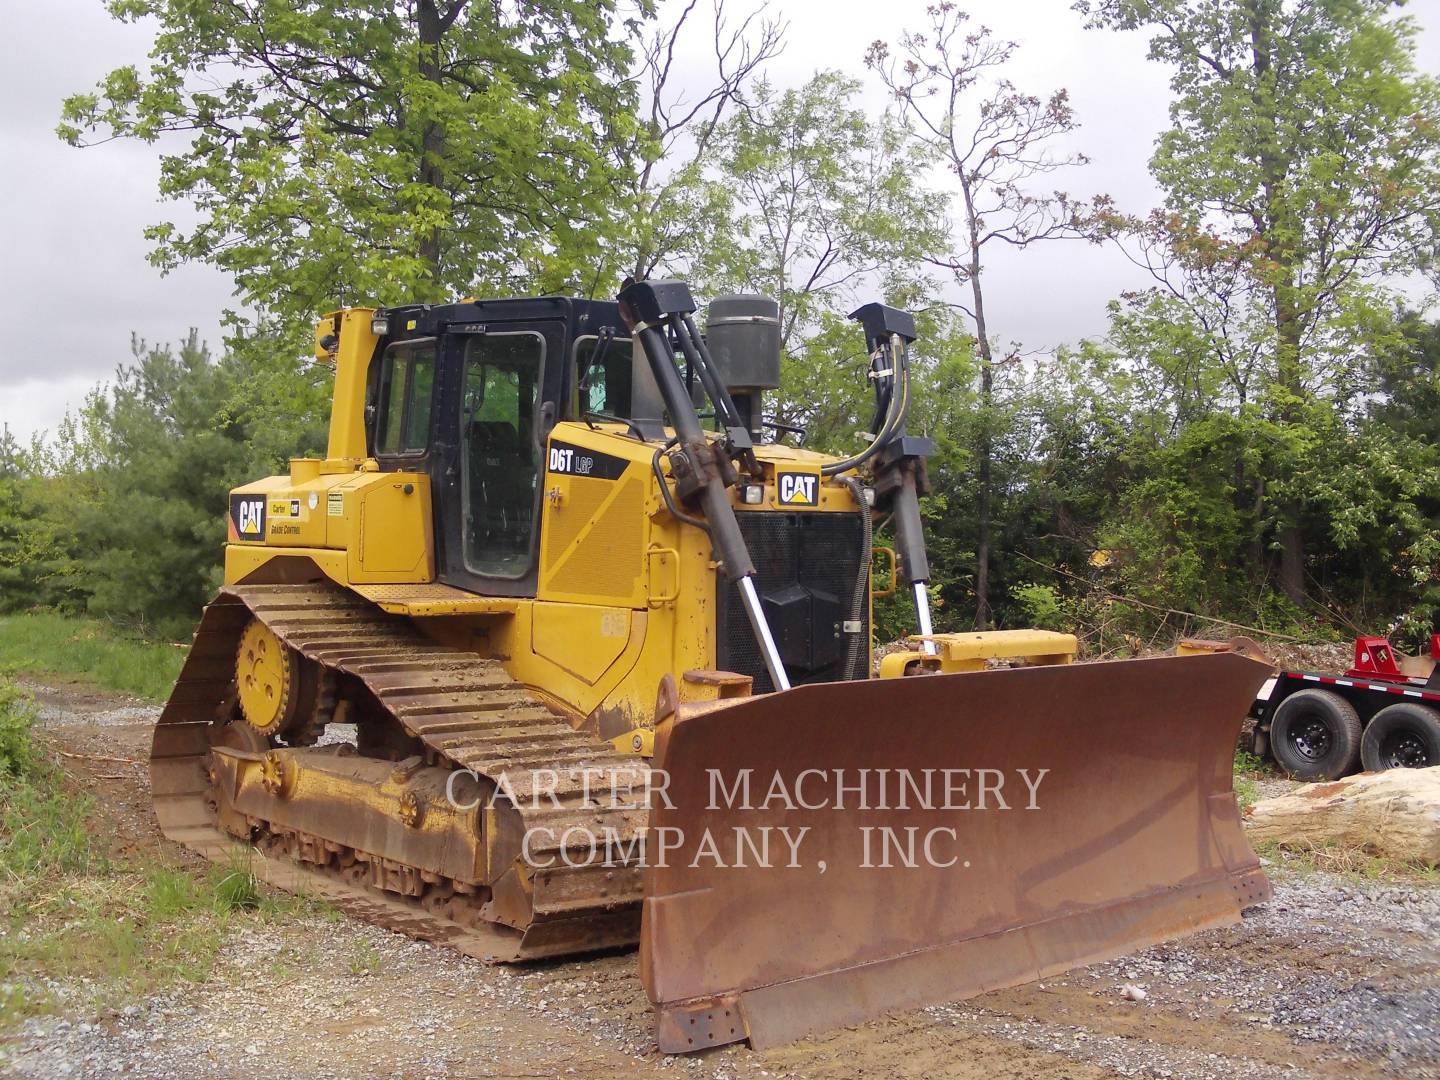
362,151
160,454
16,590
821,209
40,487
1405,392
674,211
120,514
1302,171
993,138
824,208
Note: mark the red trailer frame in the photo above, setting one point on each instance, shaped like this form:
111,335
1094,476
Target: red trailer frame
1329,730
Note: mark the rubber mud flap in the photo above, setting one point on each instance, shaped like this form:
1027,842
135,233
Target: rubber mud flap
1073,814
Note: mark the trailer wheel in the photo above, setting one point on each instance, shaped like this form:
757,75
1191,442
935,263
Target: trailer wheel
1401,736
1316,735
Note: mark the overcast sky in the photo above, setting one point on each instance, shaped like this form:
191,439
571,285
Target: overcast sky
75,283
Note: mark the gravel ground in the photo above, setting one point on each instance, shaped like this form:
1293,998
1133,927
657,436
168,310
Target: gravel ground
1331,978
73,706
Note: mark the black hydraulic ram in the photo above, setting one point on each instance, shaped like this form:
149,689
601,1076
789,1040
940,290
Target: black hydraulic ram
900,477
651,308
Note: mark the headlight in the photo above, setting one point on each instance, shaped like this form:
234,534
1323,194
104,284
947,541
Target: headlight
752,494
380,326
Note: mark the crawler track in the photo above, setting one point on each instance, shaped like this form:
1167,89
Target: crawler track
466,713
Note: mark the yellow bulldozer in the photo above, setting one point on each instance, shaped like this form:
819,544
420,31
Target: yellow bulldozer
556,651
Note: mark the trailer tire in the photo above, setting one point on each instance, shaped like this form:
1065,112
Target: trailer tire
1315,735
1405,735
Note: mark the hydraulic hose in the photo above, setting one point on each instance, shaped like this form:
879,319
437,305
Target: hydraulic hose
709,376
895,418
856,647
670,503
899,410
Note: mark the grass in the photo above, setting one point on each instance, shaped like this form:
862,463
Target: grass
1357,867
86,925
1247,792
364,960
1249,769
1248,764
89,650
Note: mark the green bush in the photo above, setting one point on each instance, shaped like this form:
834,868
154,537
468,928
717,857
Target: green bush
1246,763
1043,607
121,513
110,927
45,830
17,717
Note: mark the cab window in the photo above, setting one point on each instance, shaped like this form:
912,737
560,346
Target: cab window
501,458
406,394
602,377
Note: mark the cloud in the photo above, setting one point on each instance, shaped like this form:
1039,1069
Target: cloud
74,281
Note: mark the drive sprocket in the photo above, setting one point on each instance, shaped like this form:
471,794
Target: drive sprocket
266,678
281,693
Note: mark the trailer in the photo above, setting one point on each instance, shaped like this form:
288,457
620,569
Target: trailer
1383,713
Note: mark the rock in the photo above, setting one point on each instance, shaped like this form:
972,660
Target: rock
1394,813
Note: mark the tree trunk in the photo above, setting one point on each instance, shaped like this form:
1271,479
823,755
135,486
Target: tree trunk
432,25
1278,228
1291,379
1292,559
1258,558
985,448
982,536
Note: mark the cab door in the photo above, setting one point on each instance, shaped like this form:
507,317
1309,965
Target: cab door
499,404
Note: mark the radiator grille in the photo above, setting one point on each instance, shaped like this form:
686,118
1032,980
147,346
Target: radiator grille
820,551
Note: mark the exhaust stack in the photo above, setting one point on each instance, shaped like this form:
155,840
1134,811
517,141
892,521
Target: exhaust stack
743,333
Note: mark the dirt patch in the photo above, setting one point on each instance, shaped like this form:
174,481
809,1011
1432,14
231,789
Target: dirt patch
1330,979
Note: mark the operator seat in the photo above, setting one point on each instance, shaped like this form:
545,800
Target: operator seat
501,486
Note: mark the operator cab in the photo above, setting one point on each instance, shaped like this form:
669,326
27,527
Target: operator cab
468,393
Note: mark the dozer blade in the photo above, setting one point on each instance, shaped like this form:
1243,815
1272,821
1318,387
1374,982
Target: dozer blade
1132,836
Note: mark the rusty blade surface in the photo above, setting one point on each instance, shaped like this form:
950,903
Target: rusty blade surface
1134,837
